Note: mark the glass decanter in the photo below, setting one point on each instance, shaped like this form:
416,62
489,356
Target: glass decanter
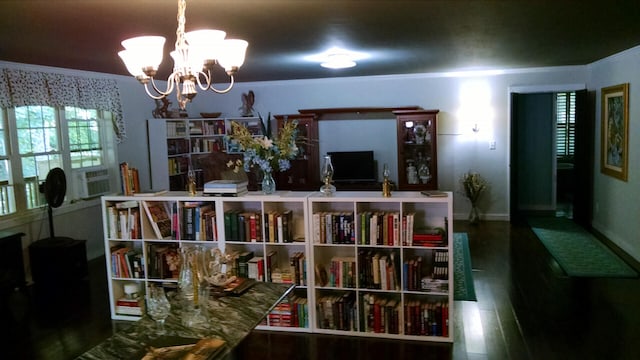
192,284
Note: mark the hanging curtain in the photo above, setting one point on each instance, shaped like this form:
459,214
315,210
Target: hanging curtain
23,88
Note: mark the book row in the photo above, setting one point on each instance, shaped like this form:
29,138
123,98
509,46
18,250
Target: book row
127,262
375,228
129,179
420,275
292,312
378,270
197,221
178,165
248,226
382,315
123,220
337,312
207,145
267,268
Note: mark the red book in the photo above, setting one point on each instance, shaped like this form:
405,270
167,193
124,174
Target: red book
390,231
377,321
253,231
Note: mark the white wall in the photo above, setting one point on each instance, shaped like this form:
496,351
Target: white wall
463,101
617,203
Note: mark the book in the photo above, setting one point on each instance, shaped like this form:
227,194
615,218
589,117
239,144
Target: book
225,184
231,194
239,189
434,193
151,192
159,219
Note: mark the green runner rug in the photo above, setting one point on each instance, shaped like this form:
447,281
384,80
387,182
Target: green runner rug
577,251
463,288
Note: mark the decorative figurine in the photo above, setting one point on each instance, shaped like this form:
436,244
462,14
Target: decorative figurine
247,103
191,185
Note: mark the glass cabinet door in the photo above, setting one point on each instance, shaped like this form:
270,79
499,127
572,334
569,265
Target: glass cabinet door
417,150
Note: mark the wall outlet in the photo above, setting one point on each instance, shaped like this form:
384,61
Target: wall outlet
492,145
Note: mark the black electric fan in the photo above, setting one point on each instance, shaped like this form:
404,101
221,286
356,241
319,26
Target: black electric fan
54,189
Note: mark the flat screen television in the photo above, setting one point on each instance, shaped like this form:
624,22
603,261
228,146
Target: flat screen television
353,166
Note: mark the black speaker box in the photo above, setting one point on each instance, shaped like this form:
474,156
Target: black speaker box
58,261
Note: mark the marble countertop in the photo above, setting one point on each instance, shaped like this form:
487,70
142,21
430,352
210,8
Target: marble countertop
230,318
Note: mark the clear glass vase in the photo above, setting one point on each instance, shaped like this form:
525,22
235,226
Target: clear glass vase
474,214
268,183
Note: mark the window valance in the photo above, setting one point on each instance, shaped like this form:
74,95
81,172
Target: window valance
23,88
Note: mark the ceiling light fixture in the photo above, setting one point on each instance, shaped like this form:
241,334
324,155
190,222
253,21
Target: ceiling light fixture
194,57
338,61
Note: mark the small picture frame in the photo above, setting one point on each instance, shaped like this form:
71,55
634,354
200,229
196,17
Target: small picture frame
614,144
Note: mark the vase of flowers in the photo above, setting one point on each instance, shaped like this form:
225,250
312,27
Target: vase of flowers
473,185
269,154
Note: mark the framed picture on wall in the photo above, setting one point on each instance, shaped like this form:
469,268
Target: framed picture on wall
614,151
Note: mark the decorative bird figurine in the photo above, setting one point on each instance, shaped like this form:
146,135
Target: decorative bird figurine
248,100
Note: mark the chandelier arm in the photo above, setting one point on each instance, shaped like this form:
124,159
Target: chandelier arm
223,91
170,85
207,76
155,97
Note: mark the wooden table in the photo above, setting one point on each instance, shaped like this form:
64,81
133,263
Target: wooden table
230,319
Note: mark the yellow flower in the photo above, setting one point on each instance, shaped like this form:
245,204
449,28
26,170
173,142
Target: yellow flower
264,152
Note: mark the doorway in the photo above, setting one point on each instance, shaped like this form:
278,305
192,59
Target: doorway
539,179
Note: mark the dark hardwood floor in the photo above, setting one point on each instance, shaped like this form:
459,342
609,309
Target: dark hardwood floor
526,309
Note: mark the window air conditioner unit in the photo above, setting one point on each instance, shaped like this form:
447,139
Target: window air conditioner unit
93,183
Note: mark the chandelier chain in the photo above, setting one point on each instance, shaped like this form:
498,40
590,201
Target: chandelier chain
180,41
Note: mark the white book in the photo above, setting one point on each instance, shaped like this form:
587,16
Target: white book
373,229
383,273
280,229
375,264
316,228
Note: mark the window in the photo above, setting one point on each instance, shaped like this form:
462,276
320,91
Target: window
44,138
7,198
84,137
565,124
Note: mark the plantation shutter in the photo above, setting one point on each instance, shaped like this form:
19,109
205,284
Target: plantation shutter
565,123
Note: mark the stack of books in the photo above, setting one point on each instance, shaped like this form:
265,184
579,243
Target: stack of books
127,306
226,187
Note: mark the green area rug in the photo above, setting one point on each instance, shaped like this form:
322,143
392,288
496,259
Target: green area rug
577,251
463,288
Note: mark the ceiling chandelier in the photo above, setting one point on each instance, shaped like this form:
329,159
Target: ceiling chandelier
196,54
